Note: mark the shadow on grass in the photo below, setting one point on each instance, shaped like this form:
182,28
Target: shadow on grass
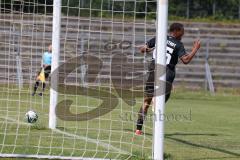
203,146
38,126
141,156
61,128
171,137
215,158
191,134
133,131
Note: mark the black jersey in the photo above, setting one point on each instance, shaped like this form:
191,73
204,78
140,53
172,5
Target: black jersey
175,49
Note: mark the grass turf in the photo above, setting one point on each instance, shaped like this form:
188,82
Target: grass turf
198,126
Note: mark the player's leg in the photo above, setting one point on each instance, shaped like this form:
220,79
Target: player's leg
144,108
170,75
149,90
143,112
43,87
36,84
47,71
35,87
149,93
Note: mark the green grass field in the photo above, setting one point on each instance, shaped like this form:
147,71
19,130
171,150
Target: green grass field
198,126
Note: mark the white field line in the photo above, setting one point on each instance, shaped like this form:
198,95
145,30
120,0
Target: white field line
87,139
105,145
46,157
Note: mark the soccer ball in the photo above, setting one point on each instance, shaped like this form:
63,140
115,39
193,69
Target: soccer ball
31,117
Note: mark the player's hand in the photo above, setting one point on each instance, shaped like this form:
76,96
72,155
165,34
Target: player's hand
145,48
149,49
196,44
142,48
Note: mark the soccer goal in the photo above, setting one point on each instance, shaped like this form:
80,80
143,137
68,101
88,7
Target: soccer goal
89,107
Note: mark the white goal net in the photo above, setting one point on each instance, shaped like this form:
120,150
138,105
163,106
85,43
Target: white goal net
101,79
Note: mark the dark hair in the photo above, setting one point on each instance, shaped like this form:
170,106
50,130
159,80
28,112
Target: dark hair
176,27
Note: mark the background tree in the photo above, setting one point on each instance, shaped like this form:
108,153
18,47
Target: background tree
214,9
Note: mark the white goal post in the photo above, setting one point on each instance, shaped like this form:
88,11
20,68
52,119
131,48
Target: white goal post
161,40
55,62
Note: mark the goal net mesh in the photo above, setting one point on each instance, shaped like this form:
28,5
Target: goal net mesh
101,85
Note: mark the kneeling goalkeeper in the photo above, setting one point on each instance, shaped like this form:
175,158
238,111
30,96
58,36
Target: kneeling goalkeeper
43,74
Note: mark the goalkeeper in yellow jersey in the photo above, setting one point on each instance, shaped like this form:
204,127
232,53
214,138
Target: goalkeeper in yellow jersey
43,74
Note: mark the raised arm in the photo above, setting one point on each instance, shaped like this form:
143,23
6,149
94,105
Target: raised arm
188,57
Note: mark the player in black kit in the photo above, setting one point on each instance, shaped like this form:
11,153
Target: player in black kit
175,50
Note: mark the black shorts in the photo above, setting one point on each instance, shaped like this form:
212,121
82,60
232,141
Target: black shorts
170,75
47,71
